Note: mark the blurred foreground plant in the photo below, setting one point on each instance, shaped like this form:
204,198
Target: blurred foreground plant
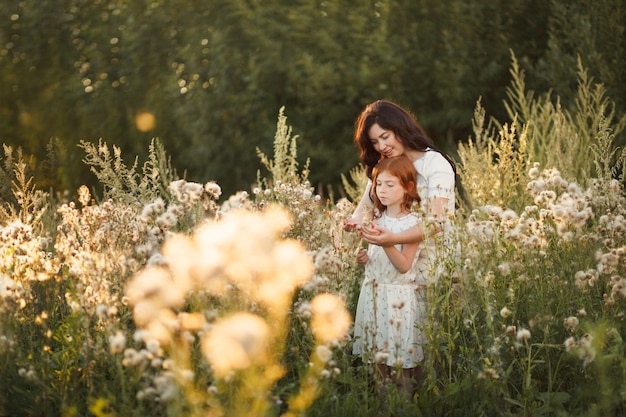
226,291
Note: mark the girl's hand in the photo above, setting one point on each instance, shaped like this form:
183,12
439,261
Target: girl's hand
377,235
361,256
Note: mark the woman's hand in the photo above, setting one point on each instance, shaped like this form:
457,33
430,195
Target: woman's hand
377,235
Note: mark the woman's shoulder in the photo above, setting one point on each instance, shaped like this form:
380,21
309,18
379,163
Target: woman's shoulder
435,156
432,160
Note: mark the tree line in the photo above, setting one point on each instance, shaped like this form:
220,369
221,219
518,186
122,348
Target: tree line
208,79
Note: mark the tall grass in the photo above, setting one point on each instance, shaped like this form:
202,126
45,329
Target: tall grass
157,299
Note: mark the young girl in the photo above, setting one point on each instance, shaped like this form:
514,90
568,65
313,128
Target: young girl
390,305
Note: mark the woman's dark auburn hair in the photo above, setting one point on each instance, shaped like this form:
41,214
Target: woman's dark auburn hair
390,116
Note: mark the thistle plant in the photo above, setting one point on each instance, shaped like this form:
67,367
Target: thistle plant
129,184
559,137
19,198
492,166
354,184
241,264
284,166
514,318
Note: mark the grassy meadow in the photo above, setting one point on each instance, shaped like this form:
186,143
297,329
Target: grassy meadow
162,297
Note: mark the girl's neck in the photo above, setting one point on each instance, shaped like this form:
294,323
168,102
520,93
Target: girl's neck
395,212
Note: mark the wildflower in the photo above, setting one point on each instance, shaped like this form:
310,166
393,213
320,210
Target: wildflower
191,321
166,387
570,323
290,268
569,343
304,310
101,310
153,346
536,186
213,189
548,195
523,335
534,172
381,356
618,288
504,268
493,211
166,220
489,372
331,320
235,343
326,260
508,215
194,191
607,262
29,374
317,283
586,351
235,201
505,312
585,279
323,353
131,358
244,249
84,195
117,342
155,285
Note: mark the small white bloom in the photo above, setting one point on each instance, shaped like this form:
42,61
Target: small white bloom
571,322
117,342
523,335
323,353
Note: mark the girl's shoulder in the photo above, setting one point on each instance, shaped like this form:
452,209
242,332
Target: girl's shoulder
416,216
411,219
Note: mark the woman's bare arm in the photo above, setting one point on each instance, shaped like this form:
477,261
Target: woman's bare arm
402,259
382,237
359,213
378,235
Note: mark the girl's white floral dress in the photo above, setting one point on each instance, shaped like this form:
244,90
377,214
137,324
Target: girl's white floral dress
391,306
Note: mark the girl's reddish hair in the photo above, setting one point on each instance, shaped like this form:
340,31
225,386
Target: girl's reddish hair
402,168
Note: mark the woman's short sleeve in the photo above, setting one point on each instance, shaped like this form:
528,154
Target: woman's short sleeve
440,177
435,179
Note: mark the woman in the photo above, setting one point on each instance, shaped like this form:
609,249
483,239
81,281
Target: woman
383,130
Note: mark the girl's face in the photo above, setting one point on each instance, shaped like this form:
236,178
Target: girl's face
389,190
385,142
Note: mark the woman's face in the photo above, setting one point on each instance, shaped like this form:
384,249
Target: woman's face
385,142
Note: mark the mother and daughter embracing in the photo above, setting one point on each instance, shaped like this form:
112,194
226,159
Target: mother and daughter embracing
409,197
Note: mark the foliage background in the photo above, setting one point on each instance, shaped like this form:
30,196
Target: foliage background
526,318
215,73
